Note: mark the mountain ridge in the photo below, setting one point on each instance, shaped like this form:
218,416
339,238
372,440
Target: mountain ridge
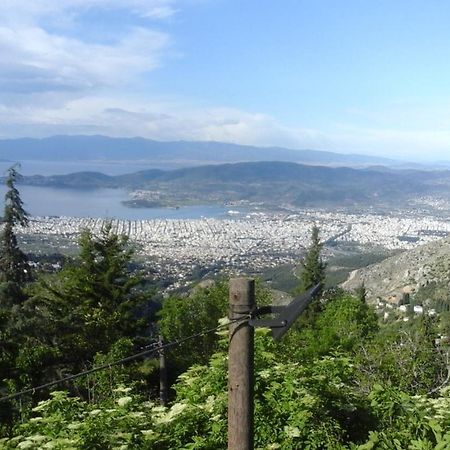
267,181
98,147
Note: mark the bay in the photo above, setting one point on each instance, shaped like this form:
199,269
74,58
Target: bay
103,203
97,203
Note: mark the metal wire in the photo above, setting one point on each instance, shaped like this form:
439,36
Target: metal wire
118,362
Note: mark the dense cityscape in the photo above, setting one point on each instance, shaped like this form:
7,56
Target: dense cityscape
254,241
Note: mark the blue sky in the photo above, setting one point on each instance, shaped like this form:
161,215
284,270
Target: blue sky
353,76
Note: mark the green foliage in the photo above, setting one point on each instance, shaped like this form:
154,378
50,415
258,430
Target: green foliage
14,212
409,422
97,386
361,292
312,273
342,326
310,405
82,315
296,406
94,300
181,317
14,271
312,266
405,355
63,422
14,274
344,323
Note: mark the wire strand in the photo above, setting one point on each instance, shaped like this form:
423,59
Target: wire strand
138,355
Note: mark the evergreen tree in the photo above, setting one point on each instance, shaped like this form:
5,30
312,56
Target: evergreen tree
312,273
69,317
14,273
313,267
361,293
93,302
14,267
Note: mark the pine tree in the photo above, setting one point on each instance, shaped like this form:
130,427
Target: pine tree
312,273
313,267
87,307
14,267
95,300
361,293
14,273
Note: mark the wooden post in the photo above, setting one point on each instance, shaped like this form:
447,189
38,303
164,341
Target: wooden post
240,366
163,389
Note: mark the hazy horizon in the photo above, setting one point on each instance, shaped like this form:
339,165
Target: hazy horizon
419,159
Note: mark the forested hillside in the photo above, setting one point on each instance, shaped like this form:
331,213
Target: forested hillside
270,182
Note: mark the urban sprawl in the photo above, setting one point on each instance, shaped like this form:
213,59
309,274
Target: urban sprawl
253,241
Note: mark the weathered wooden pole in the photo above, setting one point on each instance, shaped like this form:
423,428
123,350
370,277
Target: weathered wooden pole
163,386
240,365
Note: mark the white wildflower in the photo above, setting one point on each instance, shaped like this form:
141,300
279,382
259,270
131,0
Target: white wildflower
26,444
147,432
159,409
176,409
123,401
209,404
38,438
123,389
292,432
264,373
36,419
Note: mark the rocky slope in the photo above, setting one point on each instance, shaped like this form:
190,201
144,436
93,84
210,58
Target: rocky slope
405,273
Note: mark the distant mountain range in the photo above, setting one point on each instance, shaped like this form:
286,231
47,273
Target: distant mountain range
273,183
215,172
180,153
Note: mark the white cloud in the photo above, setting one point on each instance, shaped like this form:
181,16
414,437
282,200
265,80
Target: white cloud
38,60
163,120
20,11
